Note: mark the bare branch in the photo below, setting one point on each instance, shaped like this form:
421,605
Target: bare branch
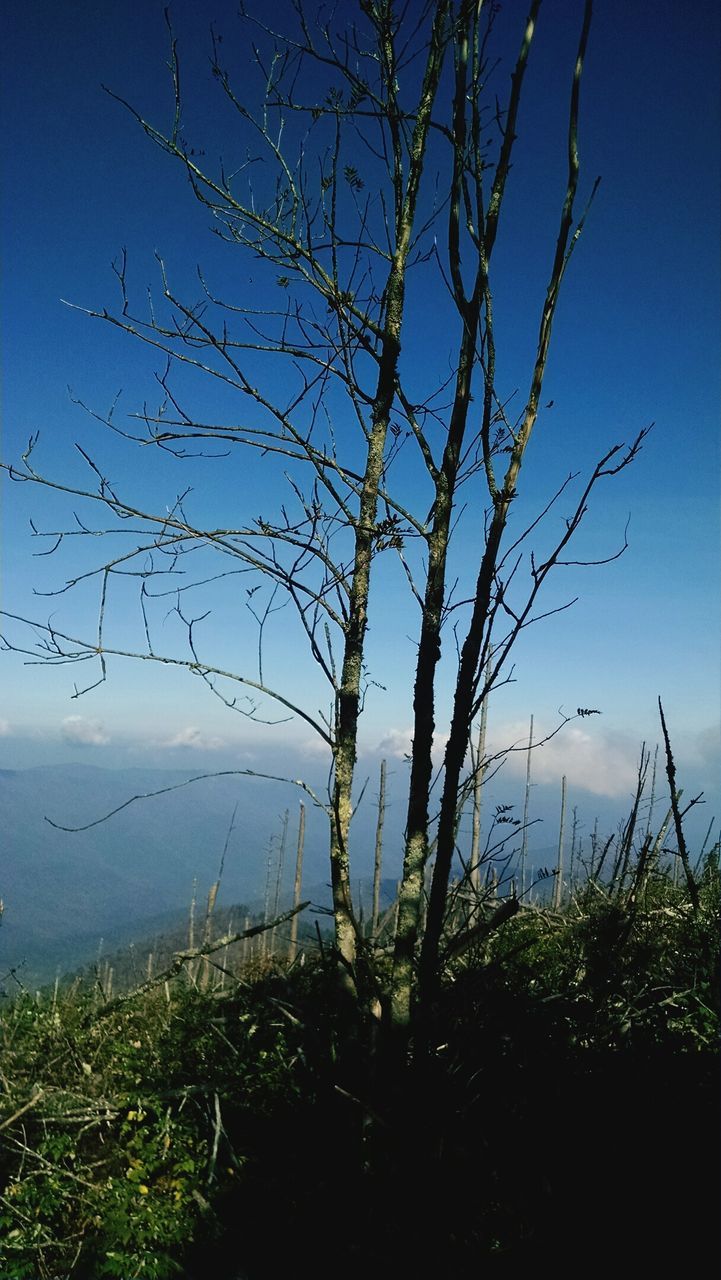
677,817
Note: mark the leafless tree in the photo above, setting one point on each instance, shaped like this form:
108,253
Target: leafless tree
352,201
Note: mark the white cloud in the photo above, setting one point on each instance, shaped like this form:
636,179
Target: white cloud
596,758
192,737
397,743
4,728
604,762
700,747
84,733
313,746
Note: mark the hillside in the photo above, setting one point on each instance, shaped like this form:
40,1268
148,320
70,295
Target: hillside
242,1124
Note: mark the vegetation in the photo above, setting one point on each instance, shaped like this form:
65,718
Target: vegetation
478,1077
191,1128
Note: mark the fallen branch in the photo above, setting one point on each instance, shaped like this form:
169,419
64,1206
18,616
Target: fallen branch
504,912
21,1110
195,953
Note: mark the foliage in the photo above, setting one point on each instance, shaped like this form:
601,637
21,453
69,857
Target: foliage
178,1125
110,1168
606,974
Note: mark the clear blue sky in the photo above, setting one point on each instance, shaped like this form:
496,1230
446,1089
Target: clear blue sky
636,341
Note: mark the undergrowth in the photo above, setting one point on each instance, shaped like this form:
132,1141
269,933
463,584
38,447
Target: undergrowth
188,1132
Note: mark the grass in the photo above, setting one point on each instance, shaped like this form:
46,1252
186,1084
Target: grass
566,1102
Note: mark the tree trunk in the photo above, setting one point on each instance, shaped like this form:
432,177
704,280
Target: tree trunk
558,886
378,859
526,802
347,711
475,876
297,884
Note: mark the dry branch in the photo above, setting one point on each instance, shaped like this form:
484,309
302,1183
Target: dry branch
196,953
677,815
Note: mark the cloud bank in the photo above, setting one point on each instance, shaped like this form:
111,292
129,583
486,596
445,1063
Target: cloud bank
604,762
397,743
82,732
193,737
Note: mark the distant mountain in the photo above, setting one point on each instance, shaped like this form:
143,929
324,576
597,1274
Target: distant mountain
64,890
133,875
130,955
130,876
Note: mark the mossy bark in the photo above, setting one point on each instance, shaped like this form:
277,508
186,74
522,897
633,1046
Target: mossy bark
348,702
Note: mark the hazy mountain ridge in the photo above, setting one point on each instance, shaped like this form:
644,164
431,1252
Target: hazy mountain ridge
122,878
64,890
140,950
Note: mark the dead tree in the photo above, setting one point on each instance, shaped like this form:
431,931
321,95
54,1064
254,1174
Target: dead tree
389,177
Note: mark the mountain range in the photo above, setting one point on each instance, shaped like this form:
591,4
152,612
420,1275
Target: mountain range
131,874
133,871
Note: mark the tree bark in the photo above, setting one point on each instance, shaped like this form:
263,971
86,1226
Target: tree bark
297,885
348,705
378,856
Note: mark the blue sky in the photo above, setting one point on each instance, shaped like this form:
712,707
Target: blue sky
636,341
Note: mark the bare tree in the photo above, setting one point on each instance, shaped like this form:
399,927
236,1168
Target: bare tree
395,171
